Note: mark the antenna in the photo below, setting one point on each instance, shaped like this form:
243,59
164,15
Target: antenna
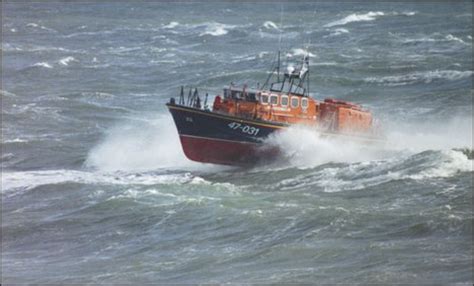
279,41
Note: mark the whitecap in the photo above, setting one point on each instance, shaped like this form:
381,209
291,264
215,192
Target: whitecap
16,140
216,29
338,32
454,38
171,25
65,61
370,16
270,25
30,179
447,164
43,64
6,93
7,47
341,31
405,13
34,25
302,52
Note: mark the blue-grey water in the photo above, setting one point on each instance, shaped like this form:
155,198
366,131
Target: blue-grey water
95,188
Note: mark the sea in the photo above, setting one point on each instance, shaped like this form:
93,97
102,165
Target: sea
95,187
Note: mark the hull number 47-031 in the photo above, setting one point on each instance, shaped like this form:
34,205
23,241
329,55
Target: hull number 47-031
244,128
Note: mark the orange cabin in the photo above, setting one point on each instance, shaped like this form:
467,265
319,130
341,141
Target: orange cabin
330,115
267,106
338,115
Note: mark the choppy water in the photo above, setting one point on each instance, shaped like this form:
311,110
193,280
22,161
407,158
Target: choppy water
96,189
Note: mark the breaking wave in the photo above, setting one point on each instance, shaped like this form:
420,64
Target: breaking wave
338,31
300,52
67,60
34,25
270,25
43,65
437,38
171,25
216,29
31,179
370,16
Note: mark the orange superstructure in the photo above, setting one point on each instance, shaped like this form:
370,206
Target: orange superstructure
330,114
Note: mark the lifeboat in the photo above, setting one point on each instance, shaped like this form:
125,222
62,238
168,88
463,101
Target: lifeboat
233,130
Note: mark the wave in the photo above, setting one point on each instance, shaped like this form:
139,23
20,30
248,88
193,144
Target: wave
407,13
65,61
454,38
16,140
43,64
418,167
335,164
337,32
419,77
7,47
216,29
100,33
34,25
437,38
370,16
7,93
301,52
171,25
30,179
270,25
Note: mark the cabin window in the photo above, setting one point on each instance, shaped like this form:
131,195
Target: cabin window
294,102
251,96
304,102
264,99
237,94
274,99
284,100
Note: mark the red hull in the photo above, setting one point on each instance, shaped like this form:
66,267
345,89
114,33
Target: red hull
226,152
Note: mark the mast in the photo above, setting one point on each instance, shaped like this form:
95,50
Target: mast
278,67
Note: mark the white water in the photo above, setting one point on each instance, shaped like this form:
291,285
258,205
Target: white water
304,147
149,144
